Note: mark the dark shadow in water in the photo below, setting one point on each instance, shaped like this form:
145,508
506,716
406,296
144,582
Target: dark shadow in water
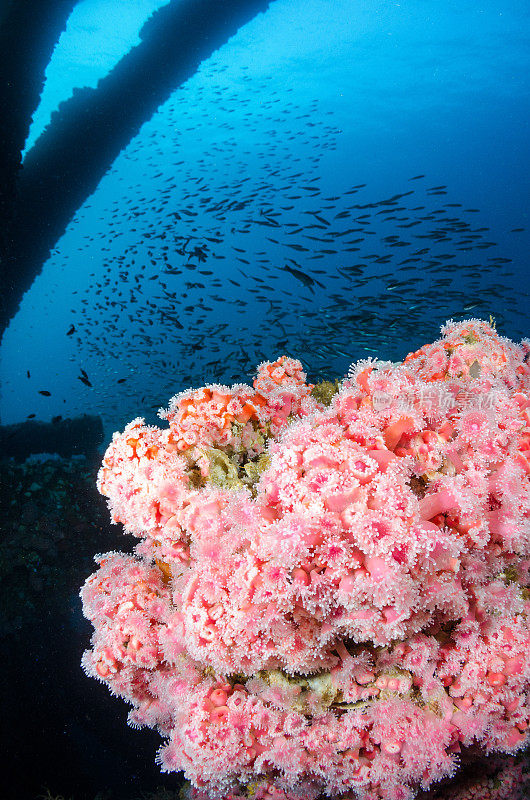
28,33
60,731
88,131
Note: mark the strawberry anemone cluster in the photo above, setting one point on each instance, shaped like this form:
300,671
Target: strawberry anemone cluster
330,592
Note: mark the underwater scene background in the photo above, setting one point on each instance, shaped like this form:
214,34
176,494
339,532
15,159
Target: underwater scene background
196,188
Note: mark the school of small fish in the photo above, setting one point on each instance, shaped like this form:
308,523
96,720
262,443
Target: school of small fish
212,253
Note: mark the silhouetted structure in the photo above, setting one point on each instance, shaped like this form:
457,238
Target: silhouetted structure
67,437
88,131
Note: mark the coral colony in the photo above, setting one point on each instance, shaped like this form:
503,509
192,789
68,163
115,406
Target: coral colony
330,595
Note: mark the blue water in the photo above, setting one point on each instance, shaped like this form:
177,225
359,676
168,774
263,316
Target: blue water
271,205
308,100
